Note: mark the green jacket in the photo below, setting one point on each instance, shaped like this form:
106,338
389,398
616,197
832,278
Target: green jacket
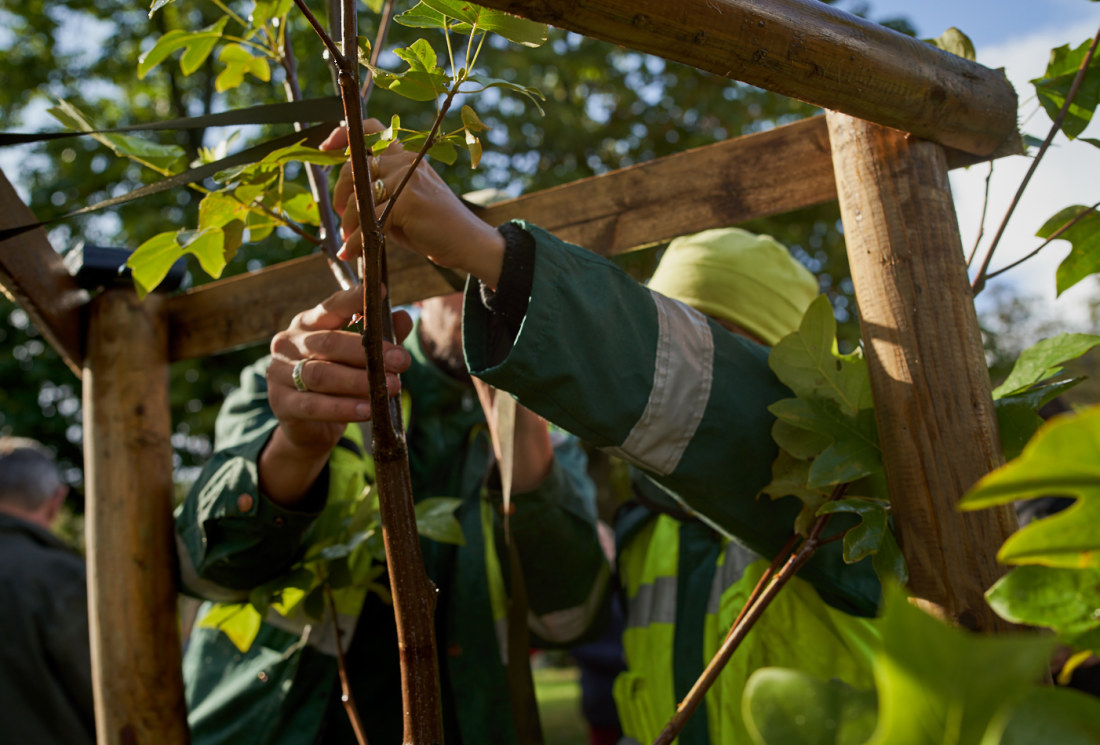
284,689
660,385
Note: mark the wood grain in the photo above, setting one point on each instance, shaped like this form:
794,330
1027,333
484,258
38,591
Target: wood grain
34,276
135,642
931,387
810,51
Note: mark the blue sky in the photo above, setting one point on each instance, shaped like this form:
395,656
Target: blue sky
986,22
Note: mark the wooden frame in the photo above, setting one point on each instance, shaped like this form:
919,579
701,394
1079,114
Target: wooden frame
902,239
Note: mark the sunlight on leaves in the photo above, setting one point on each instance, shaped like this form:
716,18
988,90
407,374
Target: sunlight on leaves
239,62
1053,87
1043,360
1063,459
956,42
925,674
1065,600
197,46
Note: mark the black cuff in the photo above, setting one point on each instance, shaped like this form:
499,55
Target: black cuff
508,305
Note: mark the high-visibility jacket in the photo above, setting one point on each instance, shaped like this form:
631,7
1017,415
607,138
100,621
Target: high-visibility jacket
684,586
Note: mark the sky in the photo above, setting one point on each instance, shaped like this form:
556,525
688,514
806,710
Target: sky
1018,36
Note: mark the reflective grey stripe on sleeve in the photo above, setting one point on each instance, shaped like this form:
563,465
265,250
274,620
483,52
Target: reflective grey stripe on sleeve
564,626
682,378
654,603
736,561
191,582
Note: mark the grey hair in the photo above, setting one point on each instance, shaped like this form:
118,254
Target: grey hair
28,473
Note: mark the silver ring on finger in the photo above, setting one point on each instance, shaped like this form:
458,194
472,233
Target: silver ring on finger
296,375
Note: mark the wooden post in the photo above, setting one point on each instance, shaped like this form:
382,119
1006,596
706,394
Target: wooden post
931,387
135,640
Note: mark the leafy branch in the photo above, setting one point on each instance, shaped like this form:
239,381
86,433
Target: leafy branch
1086,62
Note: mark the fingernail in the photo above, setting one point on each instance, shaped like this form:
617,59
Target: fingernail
362,411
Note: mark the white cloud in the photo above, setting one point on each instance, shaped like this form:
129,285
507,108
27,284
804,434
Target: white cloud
1065,176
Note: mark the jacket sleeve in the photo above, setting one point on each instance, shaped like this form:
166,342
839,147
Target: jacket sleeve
565,572
652,381
230,536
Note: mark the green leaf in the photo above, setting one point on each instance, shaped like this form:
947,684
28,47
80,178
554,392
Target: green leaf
151,261
164,157
532,94
241,623
889,563
197,46
443,149
1084,238
422,16
435,519
807,362
853,452
1054,86
157,5
938,684
265,10
471,122
217,209
239,62
457,9
1054,715
790,707
414,85
1062,459
956,42
801,443
1018,414
208,246
1065,600
1043,360
867,537
514,29
419,56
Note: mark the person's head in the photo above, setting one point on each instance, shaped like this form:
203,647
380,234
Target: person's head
748,283
30,485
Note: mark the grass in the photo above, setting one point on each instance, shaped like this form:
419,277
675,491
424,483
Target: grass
558,692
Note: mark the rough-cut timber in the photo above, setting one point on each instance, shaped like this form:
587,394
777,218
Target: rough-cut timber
810,51
132,589
33,275
766,173
936,422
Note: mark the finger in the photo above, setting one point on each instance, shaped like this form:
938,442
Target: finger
372,125
402,325
334,312
321,376
336,140
352,248
344,187
350,222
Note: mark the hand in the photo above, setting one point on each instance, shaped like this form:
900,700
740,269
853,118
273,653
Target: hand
311,422
452,236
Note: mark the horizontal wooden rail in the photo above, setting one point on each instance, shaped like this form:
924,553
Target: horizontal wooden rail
767,173
810,51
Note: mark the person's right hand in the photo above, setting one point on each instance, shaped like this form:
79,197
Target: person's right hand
311,422
427,217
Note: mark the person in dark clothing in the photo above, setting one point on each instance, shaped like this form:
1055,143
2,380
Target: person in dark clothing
45,666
